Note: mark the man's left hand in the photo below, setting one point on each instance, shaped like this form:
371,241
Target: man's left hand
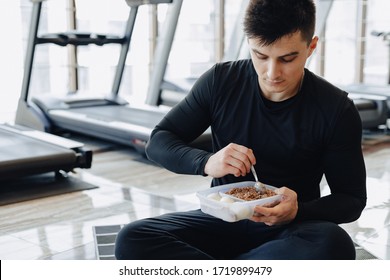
281,213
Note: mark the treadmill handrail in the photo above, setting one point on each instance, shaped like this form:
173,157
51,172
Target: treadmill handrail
162,52
136,3
79,39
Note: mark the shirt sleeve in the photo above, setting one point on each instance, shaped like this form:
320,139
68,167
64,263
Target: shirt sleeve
171,141
345,174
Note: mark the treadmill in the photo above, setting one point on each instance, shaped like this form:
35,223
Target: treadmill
26,152
110,118
372,102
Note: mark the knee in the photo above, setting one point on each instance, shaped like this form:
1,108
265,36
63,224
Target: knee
337,244
127,243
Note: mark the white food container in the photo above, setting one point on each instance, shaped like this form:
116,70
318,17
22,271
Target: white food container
227,209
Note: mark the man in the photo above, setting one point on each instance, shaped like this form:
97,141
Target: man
272,113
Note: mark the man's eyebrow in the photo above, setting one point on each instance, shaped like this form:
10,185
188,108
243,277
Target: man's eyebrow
289,54
282,56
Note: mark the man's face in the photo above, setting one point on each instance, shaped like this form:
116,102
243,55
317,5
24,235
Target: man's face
280,66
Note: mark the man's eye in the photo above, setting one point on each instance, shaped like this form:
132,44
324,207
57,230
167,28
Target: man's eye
285,60
262,57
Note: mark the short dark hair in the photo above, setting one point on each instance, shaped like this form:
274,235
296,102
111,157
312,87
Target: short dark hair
270,20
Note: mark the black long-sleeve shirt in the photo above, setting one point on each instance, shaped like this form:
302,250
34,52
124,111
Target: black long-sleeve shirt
295,142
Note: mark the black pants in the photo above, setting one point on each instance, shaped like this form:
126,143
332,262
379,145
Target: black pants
195,235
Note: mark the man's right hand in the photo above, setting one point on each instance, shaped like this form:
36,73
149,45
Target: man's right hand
233,159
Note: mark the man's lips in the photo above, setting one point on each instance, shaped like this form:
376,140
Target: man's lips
273,83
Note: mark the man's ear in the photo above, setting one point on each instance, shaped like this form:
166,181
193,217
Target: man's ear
313,45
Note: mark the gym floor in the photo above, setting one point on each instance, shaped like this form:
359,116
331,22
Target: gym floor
129,188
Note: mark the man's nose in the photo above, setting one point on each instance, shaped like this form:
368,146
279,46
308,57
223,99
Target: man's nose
273,71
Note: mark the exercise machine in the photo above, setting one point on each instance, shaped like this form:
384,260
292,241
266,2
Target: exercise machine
110,118
25,152
373,108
